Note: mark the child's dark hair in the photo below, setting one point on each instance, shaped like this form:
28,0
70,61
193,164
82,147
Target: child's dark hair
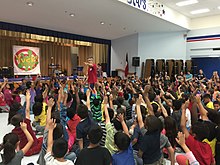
206,96
58,131
177,104
111,113
122,141
39,98
201,130
16,120
152,123
96,102
37,108
14,108
117,124
171,130
82,111
70,112
60,147
9,145
95,134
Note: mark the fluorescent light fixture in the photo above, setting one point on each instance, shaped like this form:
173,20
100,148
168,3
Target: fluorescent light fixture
219,7
185,3
200,11
30,4
72,14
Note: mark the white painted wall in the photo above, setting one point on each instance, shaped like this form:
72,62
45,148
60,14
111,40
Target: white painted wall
205,22
120,47
170,45
203,48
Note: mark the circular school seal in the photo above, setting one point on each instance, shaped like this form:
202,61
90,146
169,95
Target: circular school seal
26,59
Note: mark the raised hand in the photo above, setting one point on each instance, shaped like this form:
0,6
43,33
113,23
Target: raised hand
23,126
105,101
180,139
139,100
50,102
51,124
28,95
120,117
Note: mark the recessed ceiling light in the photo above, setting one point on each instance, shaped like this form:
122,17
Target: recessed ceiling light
185,3
102,23
72,14
200,11
30,3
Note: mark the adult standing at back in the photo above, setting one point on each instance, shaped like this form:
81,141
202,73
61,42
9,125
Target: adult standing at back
92,72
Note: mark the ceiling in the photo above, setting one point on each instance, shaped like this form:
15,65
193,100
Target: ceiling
185,10
120,19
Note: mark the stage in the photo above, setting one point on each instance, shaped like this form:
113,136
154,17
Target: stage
19,80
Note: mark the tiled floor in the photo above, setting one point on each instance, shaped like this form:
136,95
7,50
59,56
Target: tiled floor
4,129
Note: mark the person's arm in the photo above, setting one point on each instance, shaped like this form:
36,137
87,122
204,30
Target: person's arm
164,111
124,126
171,154
28,136
45,93
189,155
105,102
171,96
49,109
88,98
183,122
51,126
3,85
77,96
88,64
147,101
139,115
202,110
27,109
111,101
80,143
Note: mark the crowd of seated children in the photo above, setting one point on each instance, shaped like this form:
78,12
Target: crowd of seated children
117,121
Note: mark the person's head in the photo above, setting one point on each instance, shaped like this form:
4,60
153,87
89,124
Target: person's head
82,111
122,141
216,105
14,108
90,60
152,96
171,129
58,131
37,108
177,104
10,144
28,85
16,120
70,112
156,106
38,98
60,147
200,71
206,98
152,123
96,102
95,134
126,96
111,114
200,130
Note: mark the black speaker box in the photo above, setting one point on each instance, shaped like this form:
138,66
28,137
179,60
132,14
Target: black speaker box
114,73
136,61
